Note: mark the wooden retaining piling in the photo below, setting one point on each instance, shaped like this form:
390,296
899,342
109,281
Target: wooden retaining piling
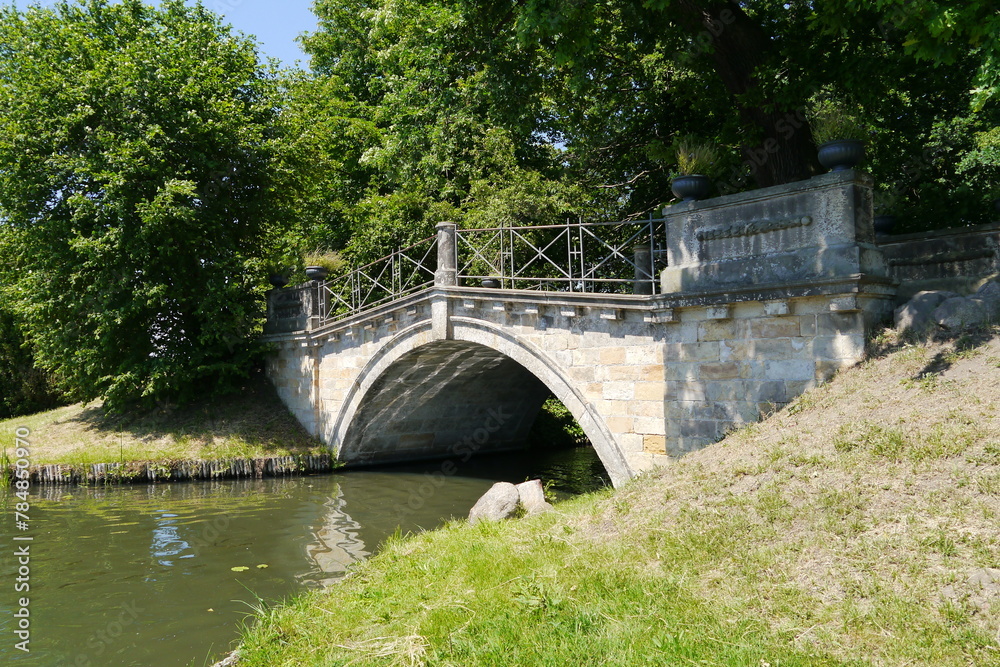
138,472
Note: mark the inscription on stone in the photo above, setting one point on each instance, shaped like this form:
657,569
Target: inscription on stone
751,228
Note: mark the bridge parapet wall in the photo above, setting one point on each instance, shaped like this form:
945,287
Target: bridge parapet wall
959,259
790,281
810,230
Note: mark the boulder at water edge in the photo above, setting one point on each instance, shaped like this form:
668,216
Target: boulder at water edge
497,503
533,497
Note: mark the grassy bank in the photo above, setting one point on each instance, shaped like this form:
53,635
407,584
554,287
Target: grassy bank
250,424
857,526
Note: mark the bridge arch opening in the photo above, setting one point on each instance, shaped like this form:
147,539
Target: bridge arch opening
454,399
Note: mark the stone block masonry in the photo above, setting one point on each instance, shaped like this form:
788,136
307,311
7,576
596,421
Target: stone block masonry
783,285
724,373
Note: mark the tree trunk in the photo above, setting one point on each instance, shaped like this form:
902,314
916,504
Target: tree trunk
740,46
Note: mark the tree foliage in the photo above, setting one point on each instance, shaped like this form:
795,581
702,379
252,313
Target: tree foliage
24,388
475,101
456,117
135,181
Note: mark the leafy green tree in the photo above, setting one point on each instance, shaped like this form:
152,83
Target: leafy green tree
475,102
457,118
743,72
942,32
24,388
320,175
136,161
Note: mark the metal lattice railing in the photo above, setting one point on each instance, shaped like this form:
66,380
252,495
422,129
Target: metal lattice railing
405,271
596,257
601,257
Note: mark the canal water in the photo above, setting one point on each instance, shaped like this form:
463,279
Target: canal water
163,575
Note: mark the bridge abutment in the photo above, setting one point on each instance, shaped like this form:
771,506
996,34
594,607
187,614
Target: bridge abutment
791,282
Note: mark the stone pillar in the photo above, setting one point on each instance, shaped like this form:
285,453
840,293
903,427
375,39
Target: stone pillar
317,404
272,305
643,255
311,304
446,274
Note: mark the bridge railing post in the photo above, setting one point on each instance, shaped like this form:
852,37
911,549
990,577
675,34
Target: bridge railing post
311,304
643,260
446,274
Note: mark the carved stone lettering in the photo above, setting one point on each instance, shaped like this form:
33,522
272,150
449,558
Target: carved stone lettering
751,228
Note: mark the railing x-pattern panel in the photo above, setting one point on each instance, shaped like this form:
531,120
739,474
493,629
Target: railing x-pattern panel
596,257
405,271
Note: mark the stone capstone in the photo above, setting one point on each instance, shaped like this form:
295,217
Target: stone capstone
498,503
532,497
960,312
917,313
989,295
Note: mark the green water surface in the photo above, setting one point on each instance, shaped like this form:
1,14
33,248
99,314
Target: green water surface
143,575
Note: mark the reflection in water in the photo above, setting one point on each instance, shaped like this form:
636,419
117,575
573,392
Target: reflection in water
337,542
162,575
167,541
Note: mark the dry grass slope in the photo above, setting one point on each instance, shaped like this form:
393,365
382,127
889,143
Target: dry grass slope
868,511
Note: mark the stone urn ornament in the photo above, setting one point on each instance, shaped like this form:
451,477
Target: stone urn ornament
277,280
696,161
492,283
838,134
691,187
841,154
321,263
316,272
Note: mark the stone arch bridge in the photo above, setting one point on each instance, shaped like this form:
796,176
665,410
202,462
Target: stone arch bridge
764,295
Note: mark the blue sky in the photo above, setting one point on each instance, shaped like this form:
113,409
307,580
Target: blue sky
275,23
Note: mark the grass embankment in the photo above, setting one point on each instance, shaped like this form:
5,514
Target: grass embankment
859,525
250,424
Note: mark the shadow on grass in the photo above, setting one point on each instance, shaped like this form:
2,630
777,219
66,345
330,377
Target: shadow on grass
253,415
963,343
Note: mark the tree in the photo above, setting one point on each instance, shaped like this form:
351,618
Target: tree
750,68
938,31
24,388
475,101
456,119
136,149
